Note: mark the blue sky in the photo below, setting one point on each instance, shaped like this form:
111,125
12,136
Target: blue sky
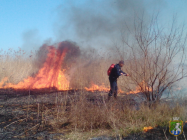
29,23
20,16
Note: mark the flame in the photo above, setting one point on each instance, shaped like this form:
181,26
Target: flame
3,80
49,76
95,87
103,88
145,129
178,88
138,88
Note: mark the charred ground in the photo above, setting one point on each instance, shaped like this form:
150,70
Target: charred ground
82,115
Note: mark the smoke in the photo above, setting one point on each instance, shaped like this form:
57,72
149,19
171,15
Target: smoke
41,56
100,22
95,23
31,40
73,52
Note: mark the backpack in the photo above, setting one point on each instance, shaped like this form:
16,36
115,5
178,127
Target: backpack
110,69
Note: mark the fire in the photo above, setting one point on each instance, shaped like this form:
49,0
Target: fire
97,88
178,88
138,88
2,81
103,88
49,76
145,129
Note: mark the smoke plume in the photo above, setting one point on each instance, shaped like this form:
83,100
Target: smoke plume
73,51
100,22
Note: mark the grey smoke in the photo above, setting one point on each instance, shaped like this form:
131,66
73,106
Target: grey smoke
100,21
31,40
73,52
41,55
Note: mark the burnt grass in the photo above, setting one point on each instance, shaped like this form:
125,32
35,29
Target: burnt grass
21,116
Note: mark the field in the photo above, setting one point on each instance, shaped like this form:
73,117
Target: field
73,104
84,115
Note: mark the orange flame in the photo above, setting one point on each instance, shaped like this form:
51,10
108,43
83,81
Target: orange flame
49,76
3,80
97,88
145,129
138,88
103,88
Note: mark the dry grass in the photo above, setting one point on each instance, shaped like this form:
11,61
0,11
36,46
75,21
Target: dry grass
16,65
116,117
86,115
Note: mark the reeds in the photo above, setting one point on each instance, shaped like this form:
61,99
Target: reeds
16,65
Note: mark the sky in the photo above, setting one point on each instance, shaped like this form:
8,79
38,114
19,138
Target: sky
24,19
30,23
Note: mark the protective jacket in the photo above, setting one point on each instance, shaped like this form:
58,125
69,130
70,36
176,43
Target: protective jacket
116,72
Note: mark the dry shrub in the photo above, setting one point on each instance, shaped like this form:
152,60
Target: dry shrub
85,115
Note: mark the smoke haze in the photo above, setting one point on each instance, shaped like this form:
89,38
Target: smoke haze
100,22
31,40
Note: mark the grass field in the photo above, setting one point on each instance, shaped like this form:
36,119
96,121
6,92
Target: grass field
83,115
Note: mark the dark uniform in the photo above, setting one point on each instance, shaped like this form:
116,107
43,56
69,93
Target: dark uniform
115,73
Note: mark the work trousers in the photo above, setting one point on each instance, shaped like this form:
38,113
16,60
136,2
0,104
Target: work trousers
113,87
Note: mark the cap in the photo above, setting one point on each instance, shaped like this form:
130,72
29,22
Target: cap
121,62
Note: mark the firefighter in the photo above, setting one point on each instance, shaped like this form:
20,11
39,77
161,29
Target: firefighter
115,73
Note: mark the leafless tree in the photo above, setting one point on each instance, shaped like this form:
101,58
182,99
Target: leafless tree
153,54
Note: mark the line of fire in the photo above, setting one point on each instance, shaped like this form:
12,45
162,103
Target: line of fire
51,77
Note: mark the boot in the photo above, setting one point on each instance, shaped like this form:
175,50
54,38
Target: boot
109,98
109,95
115,95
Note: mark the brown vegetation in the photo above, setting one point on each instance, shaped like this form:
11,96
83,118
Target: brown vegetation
84,114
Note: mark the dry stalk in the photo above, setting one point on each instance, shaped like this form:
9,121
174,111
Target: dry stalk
91,128
42,116
14,122
38,112
28,104
28,130
184,135
165,134
105,103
